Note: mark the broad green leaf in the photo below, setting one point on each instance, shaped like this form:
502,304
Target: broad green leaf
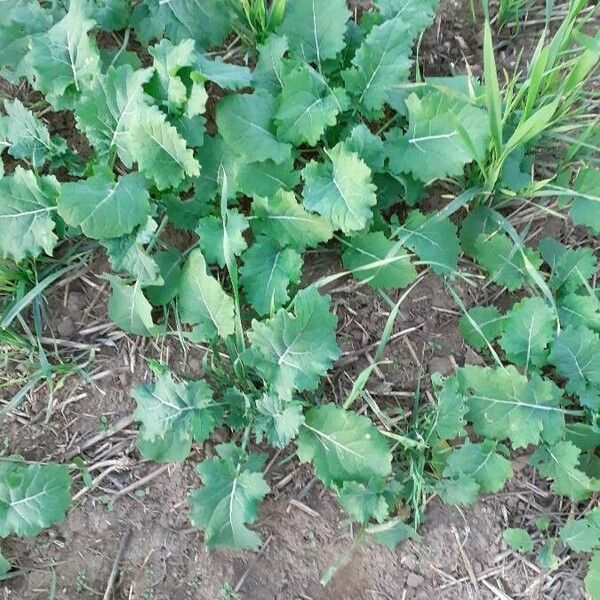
585,209
340,189
443,136
215,160
592,578
110,15
503,261
27,204
244,122
575,355
503,404
229,76
127,254
489,322
462,491
267,273
108,111
232,488
207,22
560,463
381,63
166,85
315,29
202,301
277,419
479,221
104,208
572,268
577,310
161,152
483,462
287,223
28,136
390,269
417,14
343,446
368,146
174,413
210,230
169,264
451,410
65,60
434,240
364,502
546,558
392,532
307,106
18,23
293,351
518,539
528,329
583,535
266,178
32,497
268,74
129,309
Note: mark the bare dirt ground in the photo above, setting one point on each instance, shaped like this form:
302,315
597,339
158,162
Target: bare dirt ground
135,513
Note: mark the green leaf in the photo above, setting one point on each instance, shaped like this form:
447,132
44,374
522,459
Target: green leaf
340,189
267,273
528,329
206,22
18,23
307,106
343,446
364,502
202,301
268,74
65,60
503,404
278,420
129,309
582,535
229,76
27,203
104,208
390,269
161,152
233,487
416,14
315,29
547,559
293,351
503,261
575,354
489,322
266,178
444,135
244,122
287,223
127,254
462,491
518,539
392,532
432,239
169,263
381,63
482,462
451,410
111,15
585,209
210,230
32,497
368,146
570,268
592,579
577,310
175,413
28,136
108,111
560,463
